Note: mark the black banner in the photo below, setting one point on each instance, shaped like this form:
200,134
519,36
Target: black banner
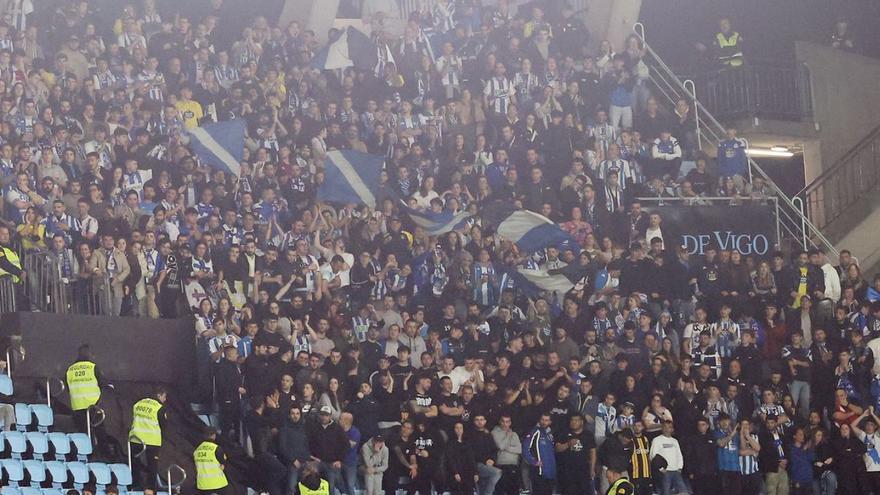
748,228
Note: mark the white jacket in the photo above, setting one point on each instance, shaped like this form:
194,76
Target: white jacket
832,282
670,450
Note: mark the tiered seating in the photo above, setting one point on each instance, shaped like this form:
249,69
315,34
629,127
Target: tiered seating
36,461
28,416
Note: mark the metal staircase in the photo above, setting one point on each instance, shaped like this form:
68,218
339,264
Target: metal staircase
845,185
797,231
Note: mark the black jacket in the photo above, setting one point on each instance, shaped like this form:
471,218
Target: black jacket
293,442
328,443
227,378
699,455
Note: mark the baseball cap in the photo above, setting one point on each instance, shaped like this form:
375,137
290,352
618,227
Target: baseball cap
326,410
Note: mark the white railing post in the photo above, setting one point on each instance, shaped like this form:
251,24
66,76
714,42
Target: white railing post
690,86
749,162
639,29
799,203
89,424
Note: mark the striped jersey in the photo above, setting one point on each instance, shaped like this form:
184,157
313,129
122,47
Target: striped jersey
640,463
748,464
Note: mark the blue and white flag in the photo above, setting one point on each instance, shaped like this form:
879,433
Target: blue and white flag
220,145
437,223
351,177
351,48
530,231
561,281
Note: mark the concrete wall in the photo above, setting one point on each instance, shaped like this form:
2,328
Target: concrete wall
609,19
846,100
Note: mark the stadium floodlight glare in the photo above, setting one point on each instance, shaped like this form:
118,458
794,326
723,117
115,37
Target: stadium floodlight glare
769,153
779,148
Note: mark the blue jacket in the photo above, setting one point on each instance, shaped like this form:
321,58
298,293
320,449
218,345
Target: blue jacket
801,467
538,447
732,158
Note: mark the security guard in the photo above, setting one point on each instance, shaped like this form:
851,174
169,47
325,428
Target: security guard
148,420
619,484
84,385
210,462
728,45
311,482
10,264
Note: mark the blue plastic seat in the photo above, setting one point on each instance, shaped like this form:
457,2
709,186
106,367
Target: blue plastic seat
36,471
103,474
45,416
122,474
83,445
10,490
58,472
60,444
79,471
17,443
6,387
39,443
23,417
29,490
14,471
51,491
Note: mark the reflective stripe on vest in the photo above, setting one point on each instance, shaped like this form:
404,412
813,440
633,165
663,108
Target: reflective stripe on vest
83,385
620,487
323,489
12,256
145,423
730,47
209,473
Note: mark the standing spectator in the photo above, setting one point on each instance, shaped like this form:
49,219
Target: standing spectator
509,453
374,454
667,448
461,463
576,453
539,454
328,444
774,456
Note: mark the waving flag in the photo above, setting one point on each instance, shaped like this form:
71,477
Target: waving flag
560,281
530,231
437,223
351,177
351,48
220,145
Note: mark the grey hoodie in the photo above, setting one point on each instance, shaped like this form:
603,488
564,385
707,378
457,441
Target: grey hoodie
509,446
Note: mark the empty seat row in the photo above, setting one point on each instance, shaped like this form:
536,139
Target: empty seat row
35,473
33,417
38,445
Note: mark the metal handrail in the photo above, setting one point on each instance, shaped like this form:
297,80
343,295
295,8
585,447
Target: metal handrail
137,440
872,136
49,393
717,130
174,486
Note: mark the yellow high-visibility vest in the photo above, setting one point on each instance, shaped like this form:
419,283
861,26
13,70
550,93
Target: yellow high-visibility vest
731,50
145,427
622,486
323,489
209,472
13,258
82,383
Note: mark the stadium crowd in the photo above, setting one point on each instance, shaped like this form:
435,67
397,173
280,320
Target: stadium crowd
349,345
